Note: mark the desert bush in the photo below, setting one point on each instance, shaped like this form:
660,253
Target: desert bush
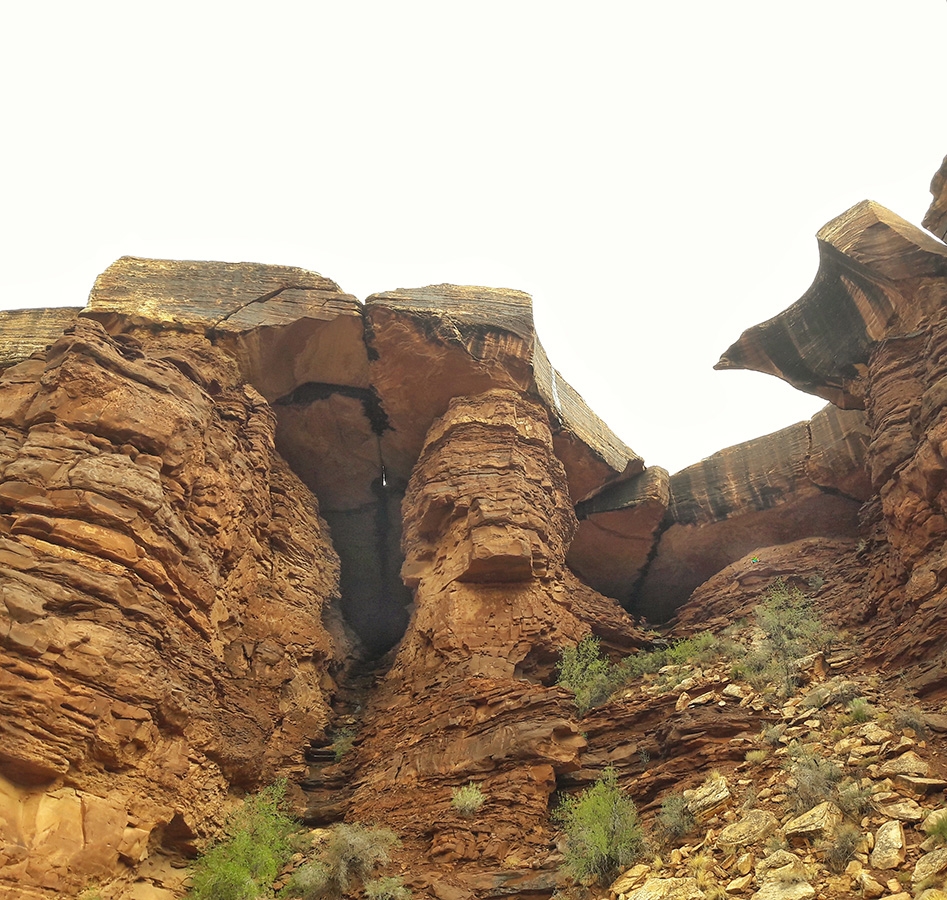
255,847
860,711
815,780
756,757
792,628
468,799
910,717
840,850
344,741
938,830
308,882
354,851
586,672
675,820
389,888
603,831
853,799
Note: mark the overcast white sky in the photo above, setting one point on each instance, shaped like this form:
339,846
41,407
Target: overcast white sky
653,173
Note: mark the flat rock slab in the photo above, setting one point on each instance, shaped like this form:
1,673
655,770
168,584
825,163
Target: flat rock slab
888,852
906,764
778,890
928,865
820,821
755,826
905,810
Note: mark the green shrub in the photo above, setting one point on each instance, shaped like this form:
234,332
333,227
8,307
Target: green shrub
840,851
674,820
602,829
860,711
343,742
243,864
698,650
390,888
586,672
792,628
468,799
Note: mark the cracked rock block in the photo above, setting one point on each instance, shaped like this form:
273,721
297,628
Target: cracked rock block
618,528
285,326
295,336
429,345
772,490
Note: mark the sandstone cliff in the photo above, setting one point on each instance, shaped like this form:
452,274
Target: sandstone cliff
245,518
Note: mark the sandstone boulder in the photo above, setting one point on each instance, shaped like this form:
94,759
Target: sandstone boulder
754,827
889,849
819,822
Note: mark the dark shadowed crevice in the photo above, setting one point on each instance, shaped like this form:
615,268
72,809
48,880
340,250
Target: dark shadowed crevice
362,507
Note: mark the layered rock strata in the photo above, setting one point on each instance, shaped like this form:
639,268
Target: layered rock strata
871,332
879,277
806,480
164,583
487,522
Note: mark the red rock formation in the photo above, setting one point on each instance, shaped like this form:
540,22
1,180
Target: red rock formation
872,332
805,480
879,277
172,605
487,523
164,579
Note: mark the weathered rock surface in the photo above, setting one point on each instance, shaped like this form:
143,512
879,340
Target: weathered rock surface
487,522
879,277
174,611
888,852
935,220
164,578
870,333
429,345
617,531
803,481
27,331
